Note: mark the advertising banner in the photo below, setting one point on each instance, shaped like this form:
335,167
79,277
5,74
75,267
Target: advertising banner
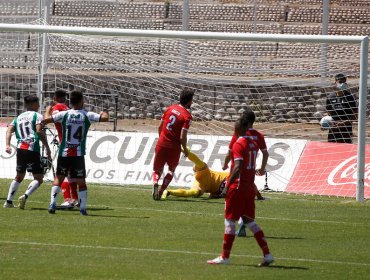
127,158
329,169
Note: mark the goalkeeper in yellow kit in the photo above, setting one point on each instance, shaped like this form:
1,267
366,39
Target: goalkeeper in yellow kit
205,181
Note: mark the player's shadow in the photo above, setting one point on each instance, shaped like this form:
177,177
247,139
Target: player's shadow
284,237
197,200
273,266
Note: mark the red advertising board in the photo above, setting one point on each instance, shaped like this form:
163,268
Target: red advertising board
329,169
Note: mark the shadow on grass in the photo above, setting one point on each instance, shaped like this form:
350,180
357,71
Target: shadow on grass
274,266
77,211
195,200
284,237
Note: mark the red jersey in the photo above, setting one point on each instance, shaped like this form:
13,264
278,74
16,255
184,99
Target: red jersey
59,107
245,149
175,118
254,135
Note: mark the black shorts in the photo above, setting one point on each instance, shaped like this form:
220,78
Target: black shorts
30,161
72,166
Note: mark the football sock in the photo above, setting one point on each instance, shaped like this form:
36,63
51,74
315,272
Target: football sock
12,190
199,164
260,237
166,181
229,237
156,177
240,222
73,189
32,187
83,198
54,193
65,189
184,193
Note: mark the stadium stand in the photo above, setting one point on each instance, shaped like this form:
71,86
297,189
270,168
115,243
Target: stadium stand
347,17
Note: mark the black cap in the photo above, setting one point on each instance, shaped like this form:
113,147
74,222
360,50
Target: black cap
340,76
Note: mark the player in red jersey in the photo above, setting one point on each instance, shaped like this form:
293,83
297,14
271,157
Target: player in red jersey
241,232
240,192
69,189
172,131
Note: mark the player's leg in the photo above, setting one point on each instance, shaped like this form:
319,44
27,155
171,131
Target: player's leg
158,165
192,192
198,163
82,193
241,232
172,161
66,193
74,193
61,173
248,219
21,171
258,194
35,166
78,174
13,188
233,204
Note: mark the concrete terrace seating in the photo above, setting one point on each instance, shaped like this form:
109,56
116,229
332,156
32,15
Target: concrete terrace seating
109,22
228,12
109,9
18,8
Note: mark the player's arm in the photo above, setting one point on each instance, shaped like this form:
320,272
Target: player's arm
160,128
8,137
228,155
234,174
184,141
262,170
104,116
43,139
48,112
227,160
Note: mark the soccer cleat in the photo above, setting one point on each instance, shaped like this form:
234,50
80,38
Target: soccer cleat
52,208
219,260
22,202
267,260
83,212
8,205
67,205
165,194
75,203
155,192
241,232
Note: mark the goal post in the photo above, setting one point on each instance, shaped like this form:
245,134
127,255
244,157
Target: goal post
172,61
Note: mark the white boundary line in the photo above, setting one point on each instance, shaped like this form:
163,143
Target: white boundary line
219,214
174,252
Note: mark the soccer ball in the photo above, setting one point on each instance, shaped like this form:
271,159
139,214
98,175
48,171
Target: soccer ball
326,121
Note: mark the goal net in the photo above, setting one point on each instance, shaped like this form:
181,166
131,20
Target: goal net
136,78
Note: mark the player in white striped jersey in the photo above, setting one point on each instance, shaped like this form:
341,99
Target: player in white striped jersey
71,156
28,130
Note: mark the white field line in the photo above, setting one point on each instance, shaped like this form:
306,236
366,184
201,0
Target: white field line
218,214
150,250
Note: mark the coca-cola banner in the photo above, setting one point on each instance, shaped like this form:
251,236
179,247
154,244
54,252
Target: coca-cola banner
329,169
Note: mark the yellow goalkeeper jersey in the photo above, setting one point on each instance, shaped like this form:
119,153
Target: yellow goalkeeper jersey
209,181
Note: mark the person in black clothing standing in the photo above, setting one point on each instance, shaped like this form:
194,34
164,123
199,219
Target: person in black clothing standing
342,107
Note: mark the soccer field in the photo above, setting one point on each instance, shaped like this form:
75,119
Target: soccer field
127,235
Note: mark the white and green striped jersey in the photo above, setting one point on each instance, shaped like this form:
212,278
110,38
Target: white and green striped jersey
75,125
25,130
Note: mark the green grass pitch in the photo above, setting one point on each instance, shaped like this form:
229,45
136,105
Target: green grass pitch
127,235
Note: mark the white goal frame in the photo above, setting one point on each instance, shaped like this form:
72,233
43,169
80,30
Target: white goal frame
363,41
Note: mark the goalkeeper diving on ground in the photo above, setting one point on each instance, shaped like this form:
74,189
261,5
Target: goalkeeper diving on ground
206,180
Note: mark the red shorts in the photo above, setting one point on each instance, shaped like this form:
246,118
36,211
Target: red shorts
240,202
165,155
